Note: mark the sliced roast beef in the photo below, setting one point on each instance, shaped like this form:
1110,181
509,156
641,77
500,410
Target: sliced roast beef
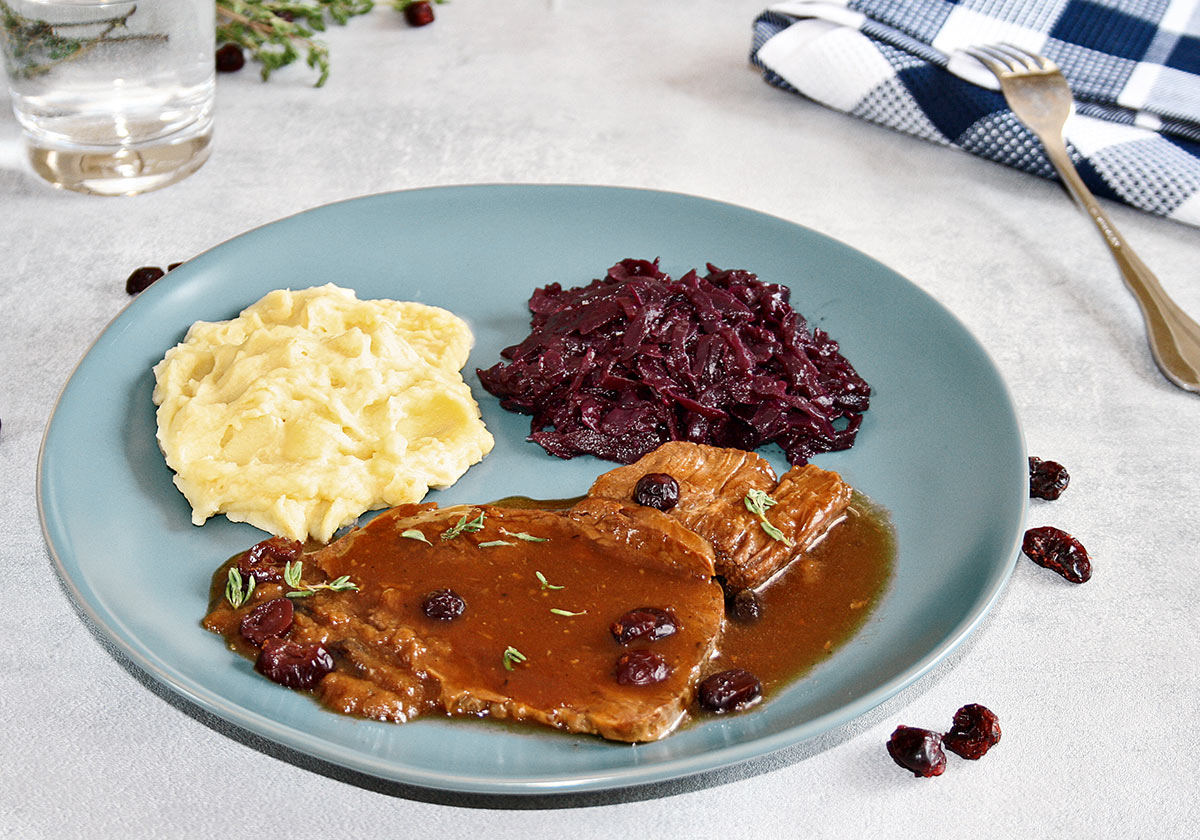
714,483
541,590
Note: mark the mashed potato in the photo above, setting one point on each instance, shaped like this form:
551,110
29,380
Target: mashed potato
312,407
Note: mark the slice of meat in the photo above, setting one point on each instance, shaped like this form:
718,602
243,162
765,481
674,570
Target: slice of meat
591,563
713,484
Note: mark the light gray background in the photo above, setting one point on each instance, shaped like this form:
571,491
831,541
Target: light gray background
1095,685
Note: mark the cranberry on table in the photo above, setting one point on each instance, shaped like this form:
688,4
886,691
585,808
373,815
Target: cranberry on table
142,278
657,490
729,691
641,667
1058,551
265,560
976,730
230,58
419,13
645,624
746,606
270,619
1047,479
443,605
300,665
917,750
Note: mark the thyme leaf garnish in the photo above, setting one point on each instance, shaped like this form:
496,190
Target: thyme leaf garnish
557,611
521,535
494,543
512,656
545,583
414,534
291,573
471,526
233,588
758,502
291,576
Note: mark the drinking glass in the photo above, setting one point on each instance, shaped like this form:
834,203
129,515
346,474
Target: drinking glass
114,98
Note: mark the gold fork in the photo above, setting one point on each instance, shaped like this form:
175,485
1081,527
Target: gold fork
1039,96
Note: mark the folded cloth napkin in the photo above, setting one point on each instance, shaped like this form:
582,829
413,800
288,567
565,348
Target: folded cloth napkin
1134,66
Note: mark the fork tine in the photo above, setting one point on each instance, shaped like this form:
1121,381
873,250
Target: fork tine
1031,60
999,60
997,64
1010,59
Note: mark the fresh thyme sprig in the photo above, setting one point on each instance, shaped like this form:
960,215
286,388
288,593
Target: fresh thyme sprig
758,502
545,583
512,656
291,576
277,33
35,46
471,526
521,535
234,592
414,534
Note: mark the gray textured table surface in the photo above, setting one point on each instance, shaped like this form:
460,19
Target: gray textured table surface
1096,685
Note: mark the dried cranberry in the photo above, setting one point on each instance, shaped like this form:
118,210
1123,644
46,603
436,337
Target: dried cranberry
746,606
918,750
266,560
976,730
270,619
142,278
729,691
419,13
1047,479
641,667
646,624
294,664
230,58
656,490
443,605
1058,551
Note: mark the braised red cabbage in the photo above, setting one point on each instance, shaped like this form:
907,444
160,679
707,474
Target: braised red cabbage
634,359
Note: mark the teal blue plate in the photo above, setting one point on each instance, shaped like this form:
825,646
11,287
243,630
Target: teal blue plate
941,448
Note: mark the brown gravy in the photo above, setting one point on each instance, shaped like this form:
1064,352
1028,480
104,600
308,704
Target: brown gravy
817,603
813,606
809,609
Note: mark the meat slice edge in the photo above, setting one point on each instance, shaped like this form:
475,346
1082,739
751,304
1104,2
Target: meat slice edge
713,484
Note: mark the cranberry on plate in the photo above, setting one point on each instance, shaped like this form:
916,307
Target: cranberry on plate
646,624
300,665
641,667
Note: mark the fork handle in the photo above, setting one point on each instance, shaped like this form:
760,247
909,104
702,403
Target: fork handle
1174,337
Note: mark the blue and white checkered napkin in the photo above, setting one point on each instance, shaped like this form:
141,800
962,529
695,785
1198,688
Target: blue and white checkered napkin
1134,66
